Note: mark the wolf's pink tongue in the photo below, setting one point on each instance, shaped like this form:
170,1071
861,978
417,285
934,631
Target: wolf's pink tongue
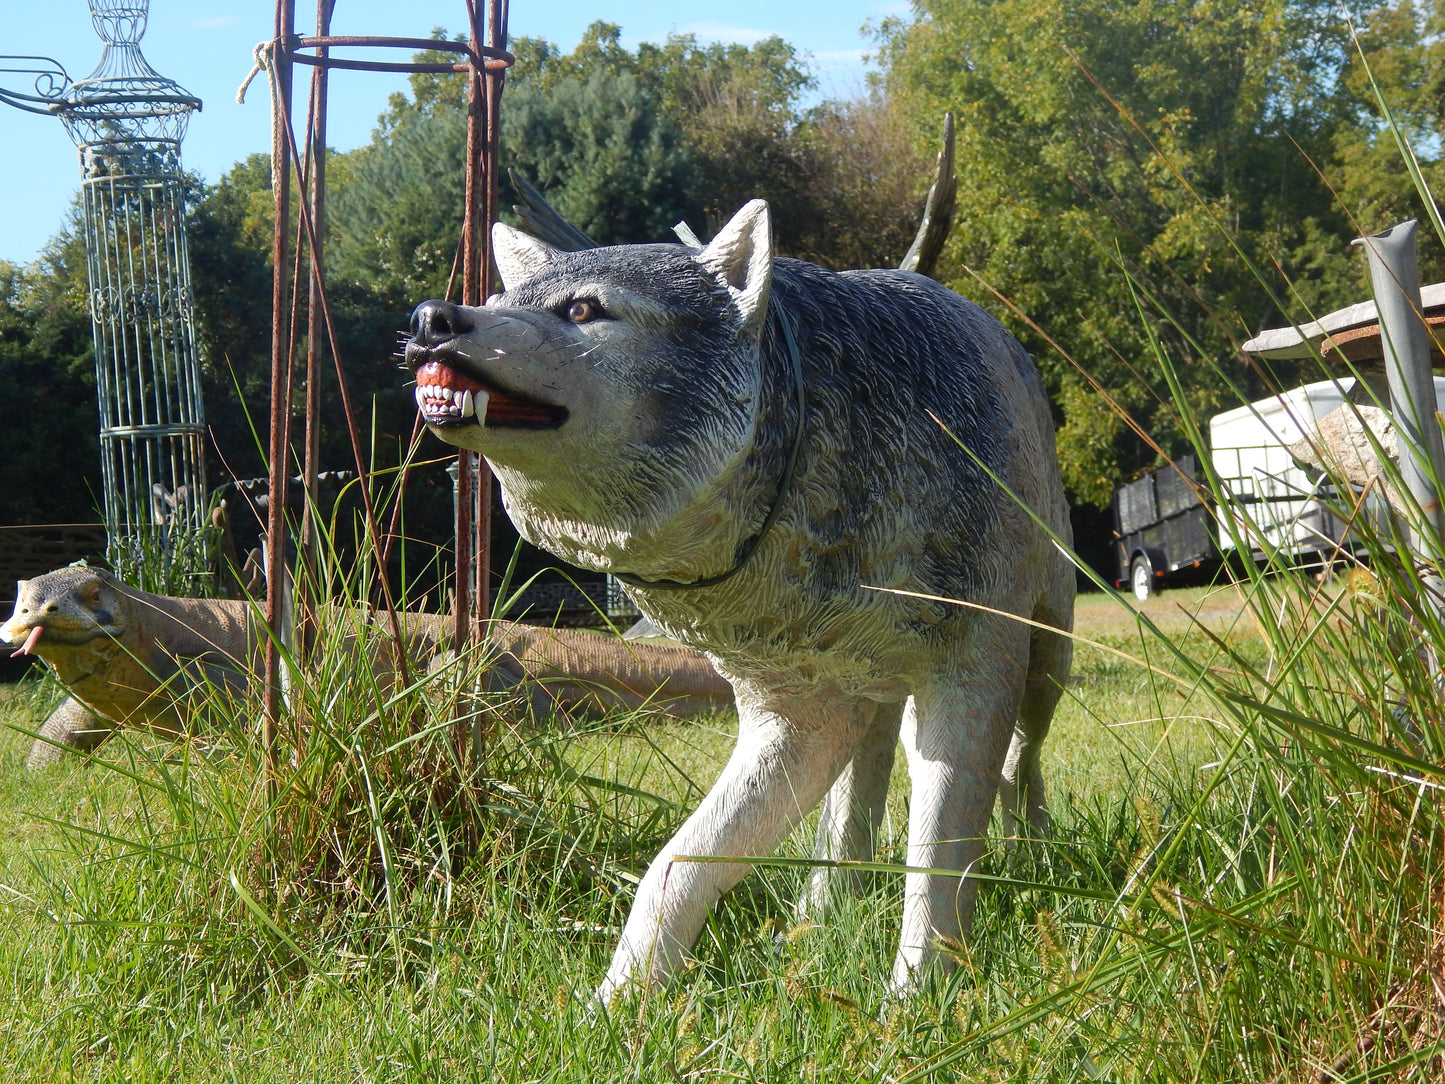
28,648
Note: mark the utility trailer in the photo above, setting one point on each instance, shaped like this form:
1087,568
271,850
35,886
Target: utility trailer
1249,452
1160,527
1285,509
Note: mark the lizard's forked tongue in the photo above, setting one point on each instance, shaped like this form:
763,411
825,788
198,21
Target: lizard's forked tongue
28,648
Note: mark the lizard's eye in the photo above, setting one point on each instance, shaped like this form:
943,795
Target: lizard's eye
584,309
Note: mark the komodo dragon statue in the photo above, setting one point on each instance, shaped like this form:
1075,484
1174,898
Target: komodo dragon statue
132,658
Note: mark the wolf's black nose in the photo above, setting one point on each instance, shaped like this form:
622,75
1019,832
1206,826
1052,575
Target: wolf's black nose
434,322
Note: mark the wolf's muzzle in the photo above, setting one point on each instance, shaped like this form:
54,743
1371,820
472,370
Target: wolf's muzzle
452,389
436,322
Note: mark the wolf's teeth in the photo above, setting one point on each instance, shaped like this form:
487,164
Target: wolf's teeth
434,400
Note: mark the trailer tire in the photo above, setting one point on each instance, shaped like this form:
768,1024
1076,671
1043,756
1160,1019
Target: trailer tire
1141,578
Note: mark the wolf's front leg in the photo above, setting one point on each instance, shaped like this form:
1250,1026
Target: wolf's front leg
788,754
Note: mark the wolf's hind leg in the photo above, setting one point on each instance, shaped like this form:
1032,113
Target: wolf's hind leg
1021,790
853,810
956,732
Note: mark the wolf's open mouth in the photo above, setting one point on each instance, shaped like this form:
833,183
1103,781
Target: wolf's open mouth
449,397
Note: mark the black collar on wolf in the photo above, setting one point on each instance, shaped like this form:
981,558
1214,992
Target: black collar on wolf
785,482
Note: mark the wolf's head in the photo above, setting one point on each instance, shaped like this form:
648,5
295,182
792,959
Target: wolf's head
615,391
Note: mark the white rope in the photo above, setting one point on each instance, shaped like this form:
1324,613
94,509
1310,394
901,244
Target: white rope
262,56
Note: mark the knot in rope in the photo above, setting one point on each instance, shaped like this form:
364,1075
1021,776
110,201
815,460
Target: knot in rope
262,56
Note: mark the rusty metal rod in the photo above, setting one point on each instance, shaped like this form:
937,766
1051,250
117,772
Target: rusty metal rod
344,388
440,45
280,415
493,81
485,66
307,582
485,57
473,478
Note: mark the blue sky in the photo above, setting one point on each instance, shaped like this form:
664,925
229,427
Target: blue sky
205,45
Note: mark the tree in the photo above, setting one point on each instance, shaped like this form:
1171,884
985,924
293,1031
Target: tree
370,301
51,440
1397,62
737,104
596,144
229,233
394,222
693,130
860,186
608,158
1147,137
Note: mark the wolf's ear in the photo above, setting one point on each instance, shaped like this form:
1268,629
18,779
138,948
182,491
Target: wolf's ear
741,256
519,256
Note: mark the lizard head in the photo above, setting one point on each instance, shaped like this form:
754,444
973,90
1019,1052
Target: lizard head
71,606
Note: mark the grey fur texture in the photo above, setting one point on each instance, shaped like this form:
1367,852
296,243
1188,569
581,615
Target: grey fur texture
637,406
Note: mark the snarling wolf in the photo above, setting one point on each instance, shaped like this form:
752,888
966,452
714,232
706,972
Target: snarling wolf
766,453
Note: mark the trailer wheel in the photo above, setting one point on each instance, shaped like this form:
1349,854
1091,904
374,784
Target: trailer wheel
1141,578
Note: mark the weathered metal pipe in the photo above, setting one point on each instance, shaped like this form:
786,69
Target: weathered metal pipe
279,447
1395,277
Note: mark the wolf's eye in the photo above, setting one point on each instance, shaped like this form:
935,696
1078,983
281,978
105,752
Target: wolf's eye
583,309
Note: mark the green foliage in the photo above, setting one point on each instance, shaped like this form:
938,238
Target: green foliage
50,444
394,220
1180,143
627,143
229,232
1404,51
231,228
608,158
858,184
1169,139
737,104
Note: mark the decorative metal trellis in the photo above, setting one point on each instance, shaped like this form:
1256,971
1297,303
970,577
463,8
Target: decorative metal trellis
483,60
128,122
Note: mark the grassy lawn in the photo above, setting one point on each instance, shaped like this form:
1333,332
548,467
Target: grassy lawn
166,918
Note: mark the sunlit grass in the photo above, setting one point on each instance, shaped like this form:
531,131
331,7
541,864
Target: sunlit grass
132,890
1209,905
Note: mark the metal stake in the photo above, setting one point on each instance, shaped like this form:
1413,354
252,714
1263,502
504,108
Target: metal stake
1395,276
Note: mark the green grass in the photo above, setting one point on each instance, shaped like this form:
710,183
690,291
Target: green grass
1196,915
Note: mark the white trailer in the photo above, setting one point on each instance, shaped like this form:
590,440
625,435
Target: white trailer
1162,528
1249,449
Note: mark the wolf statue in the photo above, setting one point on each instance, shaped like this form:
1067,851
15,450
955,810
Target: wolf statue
756,447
